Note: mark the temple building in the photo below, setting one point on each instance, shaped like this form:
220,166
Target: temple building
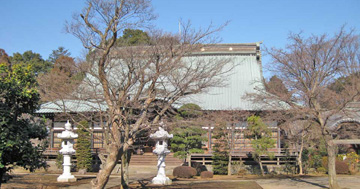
244,78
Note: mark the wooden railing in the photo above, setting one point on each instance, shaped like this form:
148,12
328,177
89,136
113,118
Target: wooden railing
276,151
244,154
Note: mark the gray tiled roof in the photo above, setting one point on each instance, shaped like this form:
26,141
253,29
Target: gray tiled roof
351,113
61,106
244,78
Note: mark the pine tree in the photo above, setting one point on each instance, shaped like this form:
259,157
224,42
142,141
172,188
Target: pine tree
188,135
83,147
221,150
187,140
261,140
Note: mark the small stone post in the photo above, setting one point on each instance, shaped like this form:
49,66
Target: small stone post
67,150
161,136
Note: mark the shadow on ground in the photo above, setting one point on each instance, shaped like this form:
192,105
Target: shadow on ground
308,182
146,183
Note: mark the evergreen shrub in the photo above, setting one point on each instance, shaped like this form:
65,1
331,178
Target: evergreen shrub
83,147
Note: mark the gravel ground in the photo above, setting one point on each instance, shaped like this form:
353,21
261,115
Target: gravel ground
146,173
351,182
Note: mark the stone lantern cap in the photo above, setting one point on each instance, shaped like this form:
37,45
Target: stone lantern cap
161,134
67,134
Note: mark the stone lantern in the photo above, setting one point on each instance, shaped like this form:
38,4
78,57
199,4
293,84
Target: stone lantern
161,136
67,150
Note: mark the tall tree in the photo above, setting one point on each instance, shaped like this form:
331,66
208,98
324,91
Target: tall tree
61,51
221,148
66,65
83,147
188,135
261,140
18,99
298,136
276,86
38,64
130,37
133,37
134,81
307,66
4,58
64,73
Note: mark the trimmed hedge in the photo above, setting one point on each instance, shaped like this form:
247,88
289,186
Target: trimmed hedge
341,167
184,172
199,168
206,174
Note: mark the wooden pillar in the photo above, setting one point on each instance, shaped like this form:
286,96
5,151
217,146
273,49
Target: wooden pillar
52,132
209,143
92,133
232,139
189,160
278,140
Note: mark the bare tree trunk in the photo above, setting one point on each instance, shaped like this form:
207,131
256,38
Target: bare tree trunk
128,158
300,156
123,180
331,166
261,166
125,161
102,159
103,176
301,172
229,165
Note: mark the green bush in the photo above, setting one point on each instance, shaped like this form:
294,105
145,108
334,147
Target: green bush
324,162
353,160
321,170
59,161
187,141
341,166
190,110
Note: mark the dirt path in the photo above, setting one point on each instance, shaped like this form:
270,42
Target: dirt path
351,182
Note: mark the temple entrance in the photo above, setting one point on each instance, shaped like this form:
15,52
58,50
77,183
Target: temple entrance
348,130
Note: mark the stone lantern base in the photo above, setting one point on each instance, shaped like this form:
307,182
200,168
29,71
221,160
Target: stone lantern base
161,180
66,178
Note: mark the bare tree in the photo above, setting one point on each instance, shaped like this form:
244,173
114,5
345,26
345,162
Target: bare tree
307,66
138,84
299,132
65,72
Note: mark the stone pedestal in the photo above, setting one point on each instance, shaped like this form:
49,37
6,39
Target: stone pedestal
67,150
161,177
161,151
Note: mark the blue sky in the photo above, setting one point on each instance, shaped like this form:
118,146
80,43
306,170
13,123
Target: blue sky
38,25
